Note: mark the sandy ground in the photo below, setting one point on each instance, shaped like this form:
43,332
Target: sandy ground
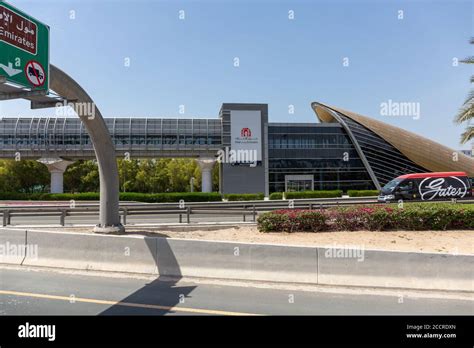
450,242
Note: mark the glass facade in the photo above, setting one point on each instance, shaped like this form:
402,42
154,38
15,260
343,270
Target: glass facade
68,134
384,159
322,150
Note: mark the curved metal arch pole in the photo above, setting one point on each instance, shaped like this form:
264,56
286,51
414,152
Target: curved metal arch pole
104,148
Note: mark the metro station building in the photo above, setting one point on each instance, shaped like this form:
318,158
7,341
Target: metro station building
344,150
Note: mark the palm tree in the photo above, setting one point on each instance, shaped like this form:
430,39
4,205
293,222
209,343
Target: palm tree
466,112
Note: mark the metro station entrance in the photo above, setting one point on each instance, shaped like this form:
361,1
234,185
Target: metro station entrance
299,183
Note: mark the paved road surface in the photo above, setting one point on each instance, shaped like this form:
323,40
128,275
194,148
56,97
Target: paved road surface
39,292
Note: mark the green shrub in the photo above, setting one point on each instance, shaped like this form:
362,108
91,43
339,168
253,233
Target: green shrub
92,196
434,216
313,194
124,196
86,196
272,222
244,196
6,196
292,221
378,217
362,193
171,197
345,219
313,221
276,195
372,218
378,220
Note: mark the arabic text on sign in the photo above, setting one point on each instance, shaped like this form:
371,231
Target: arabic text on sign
17,31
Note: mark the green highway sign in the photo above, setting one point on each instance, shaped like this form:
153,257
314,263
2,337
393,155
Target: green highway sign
24,49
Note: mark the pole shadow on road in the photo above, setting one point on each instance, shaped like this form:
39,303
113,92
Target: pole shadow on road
162,291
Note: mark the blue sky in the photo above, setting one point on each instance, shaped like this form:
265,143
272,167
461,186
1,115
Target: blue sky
283,62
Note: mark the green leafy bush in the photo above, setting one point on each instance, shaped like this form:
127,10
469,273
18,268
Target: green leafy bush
6,196
345,219
313,194
292,221
276,195
273,222
124,196
171,197
244,196
362,193
86,196
381,217
313,221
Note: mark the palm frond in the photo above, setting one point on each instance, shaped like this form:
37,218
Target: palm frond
470,98
468,60
467,135
465,114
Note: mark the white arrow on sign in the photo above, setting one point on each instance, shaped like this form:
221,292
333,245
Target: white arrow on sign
9,69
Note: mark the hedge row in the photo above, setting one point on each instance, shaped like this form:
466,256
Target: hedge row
176,196
124,196
362,193
323,194
86,196
276,195
171,197
424,216
314,194
168,197
244,196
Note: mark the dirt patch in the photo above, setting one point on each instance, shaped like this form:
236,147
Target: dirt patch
450,242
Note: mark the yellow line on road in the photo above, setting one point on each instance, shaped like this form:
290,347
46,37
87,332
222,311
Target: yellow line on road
119,303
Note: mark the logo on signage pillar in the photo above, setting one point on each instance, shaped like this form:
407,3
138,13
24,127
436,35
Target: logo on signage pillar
245,133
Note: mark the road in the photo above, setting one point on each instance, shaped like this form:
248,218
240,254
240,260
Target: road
26,291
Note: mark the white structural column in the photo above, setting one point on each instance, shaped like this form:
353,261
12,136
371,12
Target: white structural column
206,164
56,167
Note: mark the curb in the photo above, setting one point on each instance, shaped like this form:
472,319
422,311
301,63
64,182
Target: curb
239,261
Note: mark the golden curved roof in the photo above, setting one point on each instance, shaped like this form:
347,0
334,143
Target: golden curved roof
424,152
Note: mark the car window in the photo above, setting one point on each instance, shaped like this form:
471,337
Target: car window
407,185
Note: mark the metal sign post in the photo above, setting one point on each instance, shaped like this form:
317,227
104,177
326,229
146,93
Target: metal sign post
25,73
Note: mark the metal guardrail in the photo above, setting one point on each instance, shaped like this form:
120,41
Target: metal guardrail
216,204
236,208
239,208
62,213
